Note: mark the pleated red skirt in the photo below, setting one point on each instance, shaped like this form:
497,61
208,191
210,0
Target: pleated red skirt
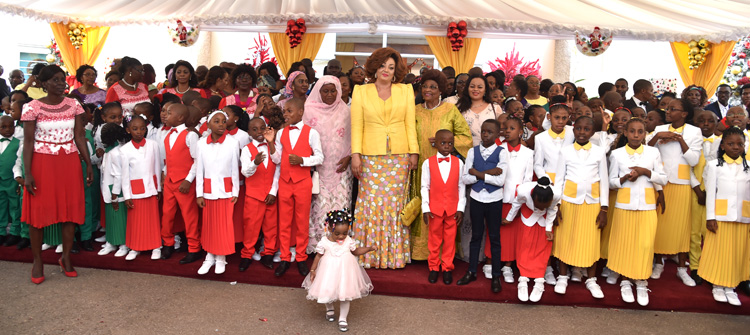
144,228
217,236
59,193
238,219
509,236
533,251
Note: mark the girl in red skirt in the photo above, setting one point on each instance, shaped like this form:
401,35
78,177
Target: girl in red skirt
537,202
53,137
141,188
237,124
217,187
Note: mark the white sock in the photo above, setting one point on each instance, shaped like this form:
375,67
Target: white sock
344,310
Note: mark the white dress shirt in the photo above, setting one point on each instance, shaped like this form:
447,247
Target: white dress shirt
248,164
445,171
638,195
727,192
140,166
520,170
483,195
677,164
537,216
17,171
547,151
217,164
111,174
313,140
191,140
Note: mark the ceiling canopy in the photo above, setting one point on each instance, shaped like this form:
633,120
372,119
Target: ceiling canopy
663,20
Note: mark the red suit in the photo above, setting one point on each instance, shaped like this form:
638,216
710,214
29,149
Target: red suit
443,204
179,163
258,215
295,196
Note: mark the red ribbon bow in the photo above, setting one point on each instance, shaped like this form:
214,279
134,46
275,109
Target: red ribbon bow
293,127
262,144
446,159
166,128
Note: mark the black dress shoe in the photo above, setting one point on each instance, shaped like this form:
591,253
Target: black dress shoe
283,266
12,240
467,278
432,278
497,285
191,257
166,252
245,263
87,245
2,239
694,274
267,261
24,243
302,267
745,287
75,249
447,277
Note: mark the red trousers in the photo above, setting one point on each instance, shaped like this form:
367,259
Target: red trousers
442,232
294,209
259,216
238,218
173,199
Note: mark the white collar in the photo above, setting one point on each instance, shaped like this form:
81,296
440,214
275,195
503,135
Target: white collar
298,125
256,143
439,155
492,147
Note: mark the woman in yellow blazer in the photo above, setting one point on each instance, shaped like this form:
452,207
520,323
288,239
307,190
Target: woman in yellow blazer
384,148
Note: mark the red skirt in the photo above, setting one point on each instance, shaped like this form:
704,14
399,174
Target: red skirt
59,191
238,219
509,236
533,251
144,227
217,236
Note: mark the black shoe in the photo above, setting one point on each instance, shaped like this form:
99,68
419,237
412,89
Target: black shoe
432,278
75,249
467,278
24,243
12,240
302,267
694,274
267,261
166,252
191,257
283,266
87,245
497,286
744,287
245,263
447,277
2,239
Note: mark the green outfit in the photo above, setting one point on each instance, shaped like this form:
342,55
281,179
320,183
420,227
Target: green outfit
94,191
116,222
10,201
53,234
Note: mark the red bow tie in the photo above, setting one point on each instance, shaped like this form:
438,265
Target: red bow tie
174,130
220,140
262,144
166,128
140,144
516,148
293,127
446,159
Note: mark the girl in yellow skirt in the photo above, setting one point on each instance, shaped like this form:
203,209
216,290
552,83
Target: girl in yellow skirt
582,174
680,147
726,252
634,170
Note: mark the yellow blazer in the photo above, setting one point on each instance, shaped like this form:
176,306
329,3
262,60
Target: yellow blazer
375,122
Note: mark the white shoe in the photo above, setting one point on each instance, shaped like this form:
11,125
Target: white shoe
256,256
613,276
156,253
122,251
641,289
221,263
594,288
177,242
719,295
536,292
549,276
207,264
131,255
293,250
101,239
45,246
277,257
626,290
507,274
656,272
605,272
487,270
108,248
523,289
562,284
685,276
732,297
58,250
577,275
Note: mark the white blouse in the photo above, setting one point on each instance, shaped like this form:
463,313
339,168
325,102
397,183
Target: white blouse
217,172
141,170
677,164
111,175
520,170
547,151
544,217
582,174
727,191
638,195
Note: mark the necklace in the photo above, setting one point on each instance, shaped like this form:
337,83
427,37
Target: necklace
133,86
177,89
436,106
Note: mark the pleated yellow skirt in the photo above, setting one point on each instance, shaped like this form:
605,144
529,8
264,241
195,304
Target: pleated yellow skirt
631,245
697,230
726,254
673,228
604,253
577,238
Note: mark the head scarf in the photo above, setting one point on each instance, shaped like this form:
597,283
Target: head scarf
289,90
267,81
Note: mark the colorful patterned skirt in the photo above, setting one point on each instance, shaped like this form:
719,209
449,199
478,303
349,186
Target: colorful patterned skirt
631,246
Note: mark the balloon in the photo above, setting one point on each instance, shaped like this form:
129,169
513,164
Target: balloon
70,33
692,44
452,25
455,33
693,63
702,43
300,22
703,51
76,32
294,29
462,25
694,50
72,26
50,58
464,32
453,40
303,29
81,26
290,23
72,39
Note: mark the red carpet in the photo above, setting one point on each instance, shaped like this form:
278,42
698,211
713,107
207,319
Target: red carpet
667,293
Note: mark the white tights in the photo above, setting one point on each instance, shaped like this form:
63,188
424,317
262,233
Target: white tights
344,306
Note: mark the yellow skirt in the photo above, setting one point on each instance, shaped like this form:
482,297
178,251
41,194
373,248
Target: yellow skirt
632,243
726,254
608,228
697,230
577,238
673,229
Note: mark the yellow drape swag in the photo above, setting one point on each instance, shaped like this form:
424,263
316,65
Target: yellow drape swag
461,60
709,74
285,55
87,53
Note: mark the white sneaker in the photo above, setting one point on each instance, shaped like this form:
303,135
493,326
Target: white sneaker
594,288
131,255
293,250
641,289
277,257
685,276
577,275
656,272
718,293
732,297
108,248
507,274
549,276
58,250
156,253
536,292
101,239
45,246
523,289
221,263
122,251
613,276
487,270
626,290
177,242
207,264
562,284
605,272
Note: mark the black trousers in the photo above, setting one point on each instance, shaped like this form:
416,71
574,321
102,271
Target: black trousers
492,214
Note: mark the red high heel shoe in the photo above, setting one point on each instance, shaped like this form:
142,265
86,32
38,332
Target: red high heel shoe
37,280
66,273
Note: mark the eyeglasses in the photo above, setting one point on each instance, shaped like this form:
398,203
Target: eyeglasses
432,87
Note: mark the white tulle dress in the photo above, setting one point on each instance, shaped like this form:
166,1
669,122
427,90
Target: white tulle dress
339,277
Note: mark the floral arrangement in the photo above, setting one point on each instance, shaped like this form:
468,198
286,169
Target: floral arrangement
737,73
54,56
513,64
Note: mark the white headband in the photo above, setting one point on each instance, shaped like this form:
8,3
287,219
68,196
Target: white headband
216,112
542,186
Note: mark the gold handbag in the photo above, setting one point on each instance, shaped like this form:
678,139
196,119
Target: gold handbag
412,208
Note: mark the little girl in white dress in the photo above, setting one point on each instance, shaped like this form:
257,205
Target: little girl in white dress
335,274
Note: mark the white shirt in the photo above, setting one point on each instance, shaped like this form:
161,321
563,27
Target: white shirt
638,195
677,164
723,109
638,103
141,169
483,195
537,216
111,174
18,133
248,164
161,134
151,132
191,140
217,175
313,140
547,151
582,175
445,171
520,170
727,192
17,171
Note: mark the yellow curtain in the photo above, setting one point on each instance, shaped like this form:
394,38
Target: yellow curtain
87,53
461,60
285,55
709,74
347,62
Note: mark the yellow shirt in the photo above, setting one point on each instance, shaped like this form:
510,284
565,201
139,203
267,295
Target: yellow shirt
35,93
381,127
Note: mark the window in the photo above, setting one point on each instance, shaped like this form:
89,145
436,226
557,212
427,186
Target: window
27,60
353,49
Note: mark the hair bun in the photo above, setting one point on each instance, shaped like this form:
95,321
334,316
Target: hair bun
543,181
